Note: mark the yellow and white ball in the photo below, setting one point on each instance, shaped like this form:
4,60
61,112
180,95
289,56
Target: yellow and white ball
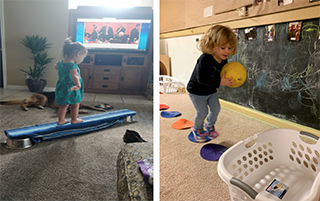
235,70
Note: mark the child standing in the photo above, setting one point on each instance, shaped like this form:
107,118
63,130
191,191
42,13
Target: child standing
216,45
69,88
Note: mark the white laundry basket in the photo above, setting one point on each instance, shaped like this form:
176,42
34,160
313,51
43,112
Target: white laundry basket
290,157
170,84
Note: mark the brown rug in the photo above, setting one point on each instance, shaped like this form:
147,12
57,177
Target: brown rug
184,174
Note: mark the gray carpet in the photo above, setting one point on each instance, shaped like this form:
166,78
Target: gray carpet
76,168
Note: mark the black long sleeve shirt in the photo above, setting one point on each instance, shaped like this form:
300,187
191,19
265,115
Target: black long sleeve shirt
205,78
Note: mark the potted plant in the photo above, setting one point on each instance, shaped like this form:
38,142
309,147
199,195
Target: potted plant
37,46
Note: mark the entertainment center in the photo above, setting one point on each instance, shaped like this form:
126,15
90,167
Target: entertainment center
115,73
116,64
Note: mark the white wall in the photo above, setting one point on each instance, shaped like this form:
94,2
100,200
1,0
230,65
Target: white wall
3,50
73,4
48,18
184,54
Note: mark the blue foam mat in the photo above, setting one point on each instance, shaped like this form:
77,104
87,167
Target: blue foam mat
49,131
170,114
212,152
191,138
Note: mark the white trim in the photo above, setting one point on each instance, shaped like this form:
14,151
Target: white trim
49,89
73,4
267,118
4,61
20,87
17,87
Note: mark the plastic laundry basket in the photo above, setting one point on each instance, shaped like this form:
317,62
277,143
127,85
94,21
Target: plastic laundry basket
169,84
278,164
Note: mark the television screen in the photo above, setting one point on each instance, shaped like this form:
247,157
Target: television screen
113,34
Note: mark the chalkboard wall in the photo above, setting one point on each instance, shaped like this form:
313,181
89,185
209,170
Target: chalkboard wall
283,76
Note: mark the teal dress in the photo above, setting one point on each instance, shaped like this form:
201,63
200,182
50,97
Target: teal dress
63,95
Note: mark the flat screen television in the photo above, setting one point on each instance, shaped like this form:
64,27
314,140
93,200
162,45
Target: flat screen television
127,30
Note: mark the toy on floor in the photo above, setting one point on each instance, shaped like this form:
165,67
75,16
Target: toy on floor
132,136
104,106
182,124
170,114
146,167
235,70
164,107
25,136
212,152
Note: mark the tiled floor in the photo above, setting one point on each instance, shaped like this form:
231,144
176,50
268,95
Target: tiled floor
14,94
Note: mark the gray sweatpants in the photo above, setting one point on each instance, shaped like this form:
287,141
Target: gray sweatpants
201,104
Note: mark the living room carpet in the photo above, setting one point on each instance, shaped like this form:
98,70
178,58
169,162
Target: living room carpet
76,168
184,174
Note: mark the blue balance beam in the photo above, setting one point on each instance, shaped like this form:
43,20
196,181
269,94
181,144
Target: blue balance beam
51,131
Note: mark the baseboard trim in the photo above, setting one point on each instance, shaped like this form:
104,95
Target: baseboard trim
21,87
266,118
17,87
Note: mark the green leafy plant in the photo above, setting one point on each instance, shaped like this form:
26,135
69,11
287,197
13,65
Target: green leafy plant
37,46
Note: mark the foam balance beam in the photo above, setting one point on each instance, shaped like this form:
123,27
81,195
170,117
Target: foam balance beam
50,131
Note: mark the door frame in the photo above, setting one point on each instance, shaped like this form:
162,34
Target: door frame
3,70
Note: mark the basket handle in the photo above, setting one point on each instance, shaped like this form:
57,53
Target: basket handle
245,187
250,141
309,135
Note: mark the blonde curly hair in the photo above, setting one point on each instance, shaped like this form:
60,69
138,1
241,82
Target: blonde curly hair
217,36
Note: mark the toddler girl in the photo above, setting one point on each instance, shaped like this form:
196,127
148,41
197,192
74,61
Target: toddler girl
69,88
216,45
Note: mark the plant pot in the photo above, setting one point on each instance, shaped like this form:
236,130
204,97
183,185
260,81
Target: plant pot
36,85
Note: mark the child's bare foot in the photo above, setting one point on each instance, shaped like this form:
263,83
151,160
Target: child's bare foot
63,122
77,121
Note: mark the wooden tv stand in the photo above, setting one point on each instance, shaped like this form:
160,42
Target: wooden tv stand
115,73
